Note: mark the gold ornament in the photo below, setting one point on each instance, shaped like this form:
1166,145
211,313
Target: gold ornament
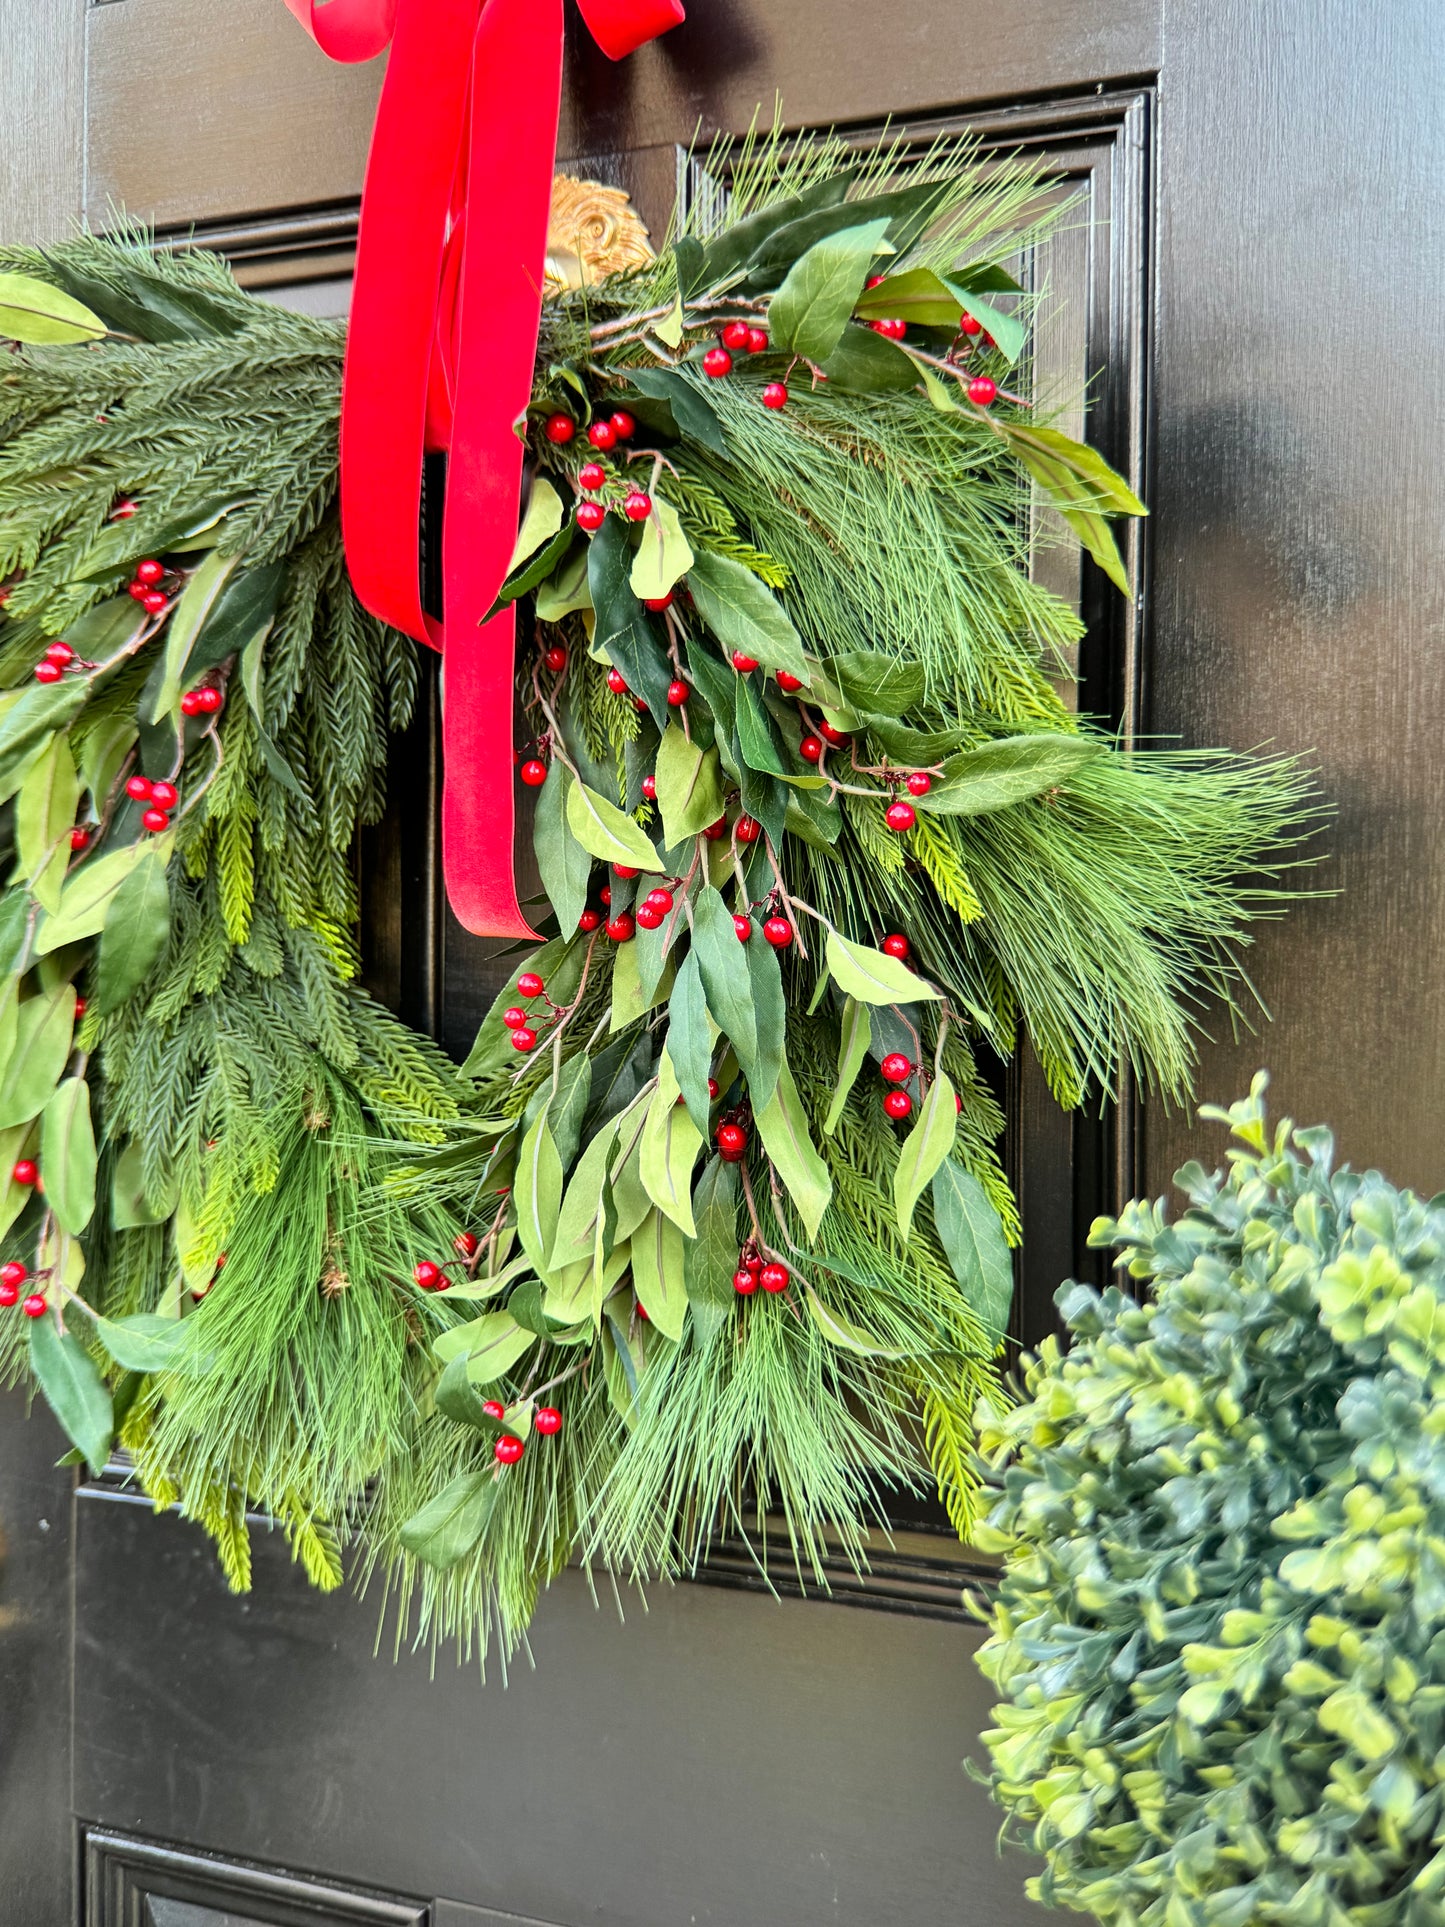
592,231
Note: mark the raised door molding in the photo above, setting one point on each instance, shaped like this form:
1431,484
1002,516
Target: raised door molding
140,1883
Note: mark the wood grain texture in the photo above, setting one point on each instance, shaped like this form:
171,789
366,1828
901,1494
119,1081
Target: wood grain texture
1299,523
42,53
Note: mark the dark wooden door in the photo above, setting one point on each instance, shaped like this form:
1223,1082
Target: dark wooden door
1251,294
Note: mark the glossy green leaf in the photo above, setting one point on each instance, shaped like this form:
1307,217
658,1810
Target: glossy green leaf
905,210
567,590
136,933
689,786
744,614
811,309
756,735
924,1149
765,981
623,631
1008,770
726,986
67,1155
537,1192
1007,329
872,976
458,1398
973,1241
670,1144
743,241
44,816
879,684
90,892
43,1033
689,1040
608,832
33,311
854,1036
562,862
567,1105
197,600
658,1266
864,363
691,410
783,1126
449,1526
559,965
664,555
916,295
711,1257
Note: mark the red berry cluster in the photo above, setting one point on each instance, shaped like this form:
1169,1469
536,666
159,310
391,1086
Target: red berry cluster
742,337
524,1037
208,700
160,799
145,586
57,659
654,907
754,1270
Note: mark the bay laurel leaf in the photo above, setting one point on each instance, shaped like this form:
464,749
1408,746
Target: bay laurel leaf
537,1192
972,1236
854,1036
1010,769
658,1265
783,1127
74,1389
744,614
44,1026
872,976
67,1154
449,1526
813,306
689,786
136,932
663,556
670,1144
924,1149
608,832
33,311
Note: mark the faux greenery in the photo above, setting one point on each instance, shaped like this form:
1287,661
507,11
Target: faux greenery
1220,1634
254,1179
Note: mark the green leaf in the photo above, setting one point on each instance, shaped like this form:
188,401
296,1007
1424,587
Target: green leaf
608,832
15,1143
129,1205
711,1257
973,1241
1008,330
67,1155
559,965
564,865
658,1267
537,1192
1009,770
689,1040
458,1399
14,928
90,893
44,817
842,1332
689,786
148,1342
906,210
449,1526
37,710
491,1344
691,410
742,241
567,1105
105,748
916,295
924,1149
241,615
1081,485
726,986
918,747
783,1127
664,554
873,976
811,309
744,614
136,933
864,363
985,277
881,684
622,631
540,523
631,995
855,1035
530,574
33,311
765,981
576,1231
670,1144
757,740
71,1382
42,1043
567,590
197,600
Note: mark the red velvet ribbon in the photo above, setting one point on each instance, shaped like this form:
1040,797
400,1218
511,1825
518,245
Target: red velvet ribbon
440,355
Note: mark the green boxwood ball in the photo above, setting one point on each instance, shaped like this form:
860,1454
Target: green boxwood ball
1219,1635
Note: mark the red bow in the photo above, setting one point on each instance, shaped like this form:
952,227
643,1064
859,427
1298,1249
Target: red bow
440,354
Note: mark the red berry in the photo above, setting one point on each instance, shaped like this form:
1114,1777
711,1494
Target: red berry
617,682
547,1418
60,652
677,693
589,920
744,928
529,984
900,816
982,389
957,1101
140,787
754,1262
514,1017
605,893
874,281
896,946
735,334
149,571
779,932
209,699
968,325
79,837
555,658
165,794
744,1280
744,664
715,831
590,516
623,870
773,1277
898,1104
79,1007
920,783
591,475
156,821
717,362
747,829
9,1294
621,929
559,428
658,601
123,510
426,1274
649,787
508,1449
524,1038
732,1143
624,426
494,1408
712,1087
14,1273
48,671
191,703
891,330
832,734
649,917
643,1313
153,601
660,900
137,591
775,395
34,1306
896,1067
637,505
789,684
602,435
25,1171
811,748
757,341
533,773
466,1243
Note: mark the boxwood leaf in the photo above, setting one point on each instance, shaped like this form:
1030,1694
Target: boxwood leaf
67,1155
449,1526
783,1127
744,614
972,1237
67,1374
924,1149
873,976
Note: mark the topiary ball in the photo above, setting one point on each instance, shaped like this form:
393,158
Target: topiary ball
1220,1630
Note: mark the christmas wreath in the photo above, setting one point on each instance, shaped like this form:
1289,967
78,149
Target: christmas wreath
711,1224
